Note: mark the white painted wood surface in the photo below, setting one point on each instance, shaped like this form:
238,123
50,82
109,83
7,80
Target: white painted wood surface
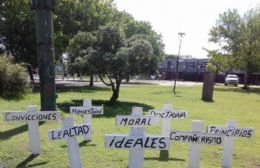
33,132
87,118
73,146
195,149
136,121
136,156
228,147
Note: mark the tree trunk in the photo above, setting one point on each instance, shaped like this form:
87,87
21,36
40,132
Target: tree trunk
127,78
91,82
29,69
246,80
115,94
45,53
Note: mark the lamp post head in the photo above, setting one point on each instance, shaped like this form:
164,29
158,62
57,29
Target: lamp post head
181,34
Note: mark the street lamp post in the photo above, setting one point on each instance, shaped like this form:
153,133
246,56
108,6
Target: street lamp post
181,35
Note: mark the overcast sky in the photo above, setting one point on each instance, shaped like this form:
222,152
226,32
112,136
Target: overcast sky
194,17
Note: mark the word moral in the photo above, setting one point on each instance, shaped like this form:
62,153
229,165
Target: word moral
136,121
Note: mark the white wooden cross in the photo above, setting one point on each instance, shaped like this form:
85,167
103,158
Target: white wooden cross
32,117
167,114
137,141
87,110
230,132
196,137
70,132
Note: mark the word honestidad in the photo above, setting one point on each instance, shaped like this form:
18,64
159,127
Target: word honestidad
97,110
168,114
31,116
131,142
69,132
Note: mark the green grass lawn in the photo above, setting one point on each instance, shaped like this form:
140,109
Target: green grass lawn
229,104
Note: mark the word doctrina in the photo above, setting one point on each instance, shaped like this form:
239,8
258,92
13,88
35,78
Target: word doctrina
131,142
31,116
168,114
201,138
69,132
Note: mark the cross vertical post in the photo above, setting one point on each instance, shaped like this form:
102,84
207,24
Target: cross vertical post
136,156
194,155
73,145
87,118
33,132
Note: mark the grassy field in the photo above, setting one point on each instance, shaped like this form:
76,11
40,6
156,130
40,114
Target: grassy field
229,104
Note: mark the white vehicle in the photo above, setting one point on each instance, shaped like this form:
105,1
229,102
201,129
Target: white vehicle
231,80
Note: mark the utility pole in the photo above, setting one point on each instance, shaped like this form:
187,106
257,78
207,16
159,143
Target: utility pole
181,35
45,52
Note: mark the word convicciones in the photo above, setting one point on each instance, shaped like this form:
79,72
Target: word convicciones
191,137
136,120
130,142
168,114
96,110
233,132
31,116
69,132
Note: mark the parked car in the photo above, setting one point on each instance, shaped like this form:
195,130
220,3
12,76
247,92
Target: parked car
231,80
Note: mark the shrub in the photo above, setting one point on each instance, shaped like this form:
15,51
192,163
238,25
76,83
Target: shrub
13,78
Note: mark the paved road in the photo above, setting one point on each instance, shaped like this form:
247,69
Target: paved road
70,82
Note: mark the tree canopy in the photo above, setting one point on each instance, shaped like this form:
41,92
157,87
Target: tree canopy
239,40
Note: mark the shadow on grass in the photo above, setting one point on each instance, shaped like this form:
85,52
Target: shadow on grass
82,144
30,158
169,159
14,97
138,83
64,87
119,108
15,131
238,89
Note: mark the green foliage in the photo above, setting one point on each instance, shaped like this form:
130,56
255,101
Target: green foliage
239,39
17,25
13,78
218,62
80,50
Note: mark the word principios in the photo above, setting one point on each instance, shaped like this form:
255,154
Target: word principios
168,114
136,120
131,142
201,138
69,132
96,110
31,116
233,132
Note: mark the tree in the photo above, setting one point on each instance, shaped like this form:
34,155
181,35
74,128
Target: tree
80,49
218,62
239,40
117,58
17,26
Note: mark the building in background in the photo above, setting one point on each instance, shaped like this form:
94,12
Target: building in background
192,69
